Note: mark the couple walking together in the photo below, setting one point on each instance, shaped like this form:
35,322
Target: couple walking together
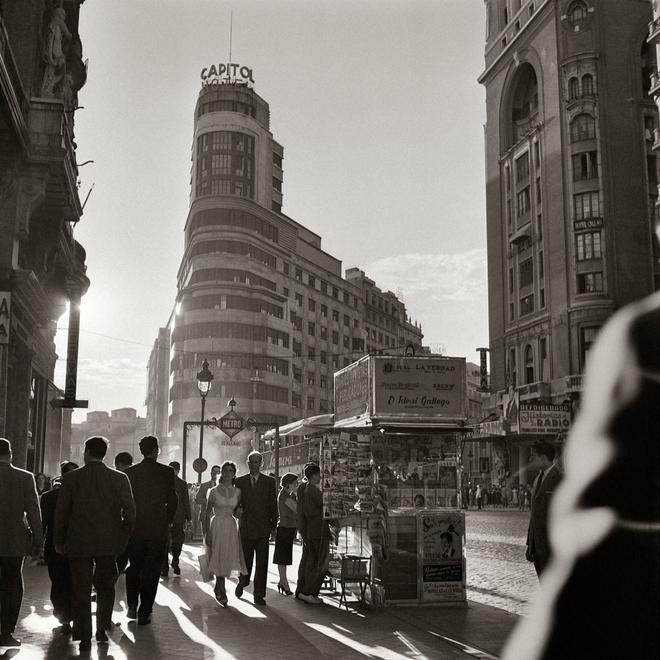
252,499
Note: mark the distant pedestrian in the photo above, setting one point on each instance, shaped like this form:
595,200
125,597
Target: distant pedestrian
182,516
94,516
18,499
257,523
200,496
286,529
58,565
42,482
478,496
543,490
123,460
315,535
514,496
155,503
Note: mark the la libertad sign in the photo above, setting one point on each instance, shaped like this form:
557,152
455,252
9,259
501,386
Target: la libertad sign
222,74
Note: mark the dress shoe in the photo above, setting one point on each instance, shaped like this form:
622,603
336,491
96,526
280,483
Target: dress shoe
312,600
65,629
175,568
101,636
132,613
86,645
144,620
239,590
259,600
9,640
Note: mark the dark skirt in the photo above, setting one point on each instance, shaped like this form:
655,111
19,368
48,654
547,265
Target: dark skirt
283,553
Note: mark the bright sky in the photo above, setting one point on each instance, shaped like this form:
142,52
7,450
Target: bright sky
377,107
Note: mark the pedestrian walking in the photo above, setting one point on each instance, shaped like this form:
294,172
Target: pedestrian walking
94,516
155,504
200,496
221,532
287,507
58,565
545,485
258,521
18,500
316,538
478,495
182,516
123,460
599,595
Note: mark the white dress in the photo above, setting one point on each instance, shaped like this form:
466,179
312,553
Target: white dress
225,551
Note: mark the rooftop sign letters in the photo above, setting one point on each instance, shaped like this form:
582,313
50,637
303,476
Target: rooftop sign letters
223,74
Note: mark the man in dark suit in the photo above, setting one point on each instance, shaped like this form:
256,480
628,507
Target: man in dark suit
258,520
58,566
181,516
545,484
200,498
94,516
155,502
18,498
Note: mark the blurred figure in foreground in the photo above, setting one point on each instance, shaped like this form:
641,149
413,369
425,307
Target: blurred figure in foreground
182,515
599,595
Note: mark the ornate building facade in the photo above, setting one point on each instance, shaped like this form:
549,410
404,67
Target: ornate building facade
571,183
258,297
42,267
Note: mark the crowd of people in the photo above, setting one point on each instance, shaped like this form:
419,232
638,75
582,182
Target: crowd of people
478,496
95,523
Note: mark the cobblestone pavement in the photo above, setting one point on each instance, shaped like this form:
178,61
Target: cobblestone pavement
497,572
188,624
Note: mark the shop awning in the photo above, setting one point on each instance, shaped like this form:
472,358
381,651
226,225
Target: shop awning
304,426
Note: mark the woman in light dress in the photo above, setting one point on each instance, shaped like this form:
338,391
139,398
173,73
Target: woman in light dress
221,533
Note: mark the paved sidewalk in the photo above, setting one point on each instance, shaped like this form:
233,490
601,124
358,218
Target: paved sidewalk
189,624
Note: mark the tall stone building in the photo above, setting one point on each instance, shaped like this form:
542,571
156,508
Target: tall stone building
258,297
571,183
42,267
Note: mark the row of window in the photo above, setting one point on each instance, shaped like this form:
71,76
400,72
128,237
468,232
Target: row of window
230,275
242,391
296,402
234,218
225,141
310,379
233,302
229,330
224,186
311,280
530,372
226,106
252,363
580,88
234,247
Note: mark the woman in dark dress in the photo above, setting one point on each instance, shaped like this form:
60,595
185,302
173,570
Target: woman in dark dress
286,529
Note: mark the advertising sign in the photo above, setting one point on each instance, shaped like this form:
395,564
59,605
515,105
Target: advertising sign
352,390
442,538
544,417
231,423
5,318
421,387
226,73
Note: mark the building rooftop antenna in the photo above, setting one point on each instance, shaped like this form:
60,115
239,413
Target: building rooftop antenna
231,30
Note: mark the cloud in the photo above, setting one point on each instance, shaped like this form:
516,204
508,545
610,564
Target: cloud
115,372
439,277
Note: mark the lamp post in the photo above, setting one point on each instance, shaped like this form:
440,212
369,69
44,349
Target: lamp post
204,378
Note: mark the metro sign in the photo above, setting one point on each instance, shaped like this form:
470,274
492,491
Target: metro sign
231,424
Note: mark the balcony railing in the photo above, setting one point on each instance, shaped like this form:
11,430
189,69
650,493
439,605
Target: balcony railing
574,383
654,29
538,390
655,83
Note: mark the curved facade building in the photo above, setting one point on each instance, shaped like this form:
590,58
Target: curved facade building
257,296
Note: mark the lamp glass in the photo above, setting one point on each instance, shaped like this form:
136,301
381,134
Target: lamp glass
204,386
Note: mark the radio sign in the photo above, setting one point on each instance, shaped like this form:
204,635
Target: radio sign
544,417
222,74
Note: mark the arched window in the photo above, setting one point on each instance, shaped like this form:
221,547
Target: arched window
573,89
583,127
529,364
524,101
577,14
587,85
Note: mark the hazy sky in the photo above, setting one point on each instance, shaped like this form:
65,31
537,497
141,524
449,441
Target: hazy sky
377,107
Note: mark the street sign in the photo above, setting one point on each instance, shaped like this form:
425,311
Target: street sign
200,465
231,423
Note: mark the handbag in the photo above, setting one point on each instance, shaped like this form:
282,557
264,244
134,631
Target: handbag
204,567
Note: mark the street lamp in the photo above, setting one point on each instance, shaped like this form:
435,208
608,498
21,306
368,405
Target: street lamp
204,378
